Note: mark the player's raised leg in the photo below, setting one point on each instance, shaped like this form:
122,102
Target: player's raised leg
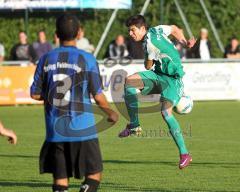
176,133
132,83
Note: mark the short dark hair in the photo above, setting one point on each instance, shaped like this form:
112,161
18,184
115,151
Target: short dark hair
234,37
67,27
137,20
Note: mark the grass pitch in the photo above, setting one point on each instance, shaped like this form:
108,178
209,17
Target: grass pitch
143,164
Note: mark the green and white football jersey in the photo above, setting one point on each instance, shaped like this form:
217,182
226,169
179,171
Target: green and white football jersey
158,47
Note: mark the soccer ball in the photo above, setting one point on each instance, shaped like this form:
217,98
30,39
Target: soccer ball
184,105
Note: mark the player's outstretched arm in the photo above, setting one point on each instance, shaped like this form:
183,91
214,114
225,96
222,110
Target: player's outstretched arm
101,101
12,138
179,35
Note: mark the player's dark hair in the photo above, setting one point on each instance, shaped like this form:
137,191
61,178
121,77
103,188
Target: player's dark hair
67,27
137,20
234,37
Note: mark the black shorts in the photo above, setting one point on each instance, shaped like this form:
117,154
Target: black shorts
68,159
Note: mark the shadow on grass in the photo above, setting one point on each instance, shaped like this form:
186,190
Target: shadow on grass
139,162
32,184
197,164
105,186
205,164
19,156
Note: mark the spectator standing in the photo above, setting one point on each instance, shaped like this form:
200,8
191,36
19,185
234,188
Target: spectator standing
233,49
2,52
42,46
83,42
202,48
118,48
23,51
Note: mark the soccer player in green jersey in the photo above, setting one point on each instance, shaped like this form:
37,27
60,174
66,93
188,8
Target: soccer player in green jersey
163,76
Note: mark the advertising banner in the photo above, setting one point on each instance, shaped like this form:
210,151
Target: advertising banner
213,81
202,81
14,85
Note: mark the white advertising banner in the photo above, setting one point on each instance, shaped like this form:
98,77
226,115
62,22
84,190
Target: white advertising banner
113,79
213,81
202,81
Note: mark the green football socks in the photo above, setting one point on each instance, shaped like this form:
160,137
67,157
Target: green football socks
131,102
176,133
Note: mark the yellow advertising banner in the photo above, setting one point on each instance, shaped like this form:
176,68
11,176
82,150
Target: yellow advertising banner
15,82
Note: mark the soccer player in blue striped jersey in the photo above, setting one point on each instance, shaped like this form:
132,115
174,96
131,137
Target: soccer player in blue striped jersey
64,79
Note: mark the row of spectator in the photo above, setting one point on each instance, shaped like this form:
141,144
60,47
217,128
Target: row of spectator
23,51
201,50
120,47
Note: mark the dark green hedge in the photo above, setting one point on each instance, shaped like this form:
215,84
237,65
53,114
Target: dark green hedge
225,14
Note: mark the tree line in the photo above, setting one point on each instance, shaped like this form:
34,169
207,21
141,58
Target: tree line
225,15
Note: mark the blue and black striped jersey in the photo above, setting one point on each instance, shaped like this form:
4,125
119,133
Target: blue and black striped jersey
65,77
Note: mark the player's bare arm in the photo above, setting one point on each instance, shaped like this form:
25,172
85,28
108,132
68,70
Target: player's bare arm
12,138
148,64
178,34
101,101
